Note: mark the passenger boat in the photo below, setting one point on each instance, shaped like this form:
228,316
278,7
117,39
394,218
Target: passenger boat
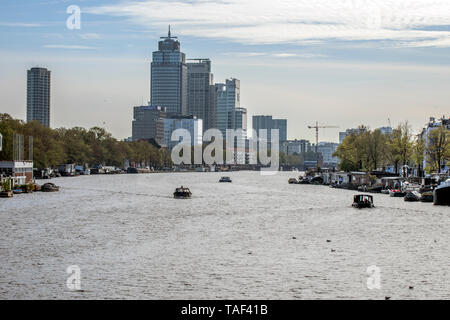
293,181
49,187
396,193
182,193
362,201
225,179
6,194
426,197
441,194
412,196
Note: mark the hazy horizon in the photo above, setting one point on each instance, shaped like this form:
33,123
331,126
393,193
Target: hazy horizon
341,63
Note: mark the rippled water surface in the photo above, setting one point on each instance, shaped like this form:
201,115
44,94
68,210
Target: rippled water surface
256,238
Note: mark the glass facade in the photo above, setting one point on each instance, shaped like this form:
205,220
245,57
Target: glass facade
38,95
169,77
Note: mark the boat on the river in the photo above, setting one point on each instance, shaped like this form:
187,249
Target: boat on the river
182,193
426,197
441,194
412,196
363,201
225,179
396,193
6,194
49,187
293,181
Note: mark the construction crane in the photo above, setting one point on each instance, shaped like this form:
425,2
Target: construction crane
317,127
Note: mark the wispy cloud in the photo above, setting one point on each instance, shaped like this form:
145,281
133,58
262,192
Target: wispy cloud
90,36
20,25
68,47
406,22
276,55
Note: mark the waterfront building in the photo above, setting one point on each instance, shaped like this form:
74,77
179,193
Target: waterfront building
267,122
21,171
169,76
201,92
189,123
295,147
228,99
146,123
38,95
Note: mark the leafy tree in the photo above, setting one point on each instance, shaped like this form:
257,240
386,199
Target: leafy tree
438,148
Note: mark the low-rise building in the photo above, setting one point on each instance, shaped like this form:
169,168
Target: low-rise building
20,171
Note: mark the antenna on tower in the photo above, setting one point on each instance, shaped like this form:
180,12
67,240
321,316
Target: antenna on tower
169,32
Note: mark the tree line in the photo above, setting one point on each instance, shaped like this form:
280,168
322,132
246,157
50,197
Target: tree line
369,150
52,147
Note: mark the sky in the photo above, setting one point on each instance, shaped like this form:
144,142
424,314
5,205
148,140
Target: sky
340,62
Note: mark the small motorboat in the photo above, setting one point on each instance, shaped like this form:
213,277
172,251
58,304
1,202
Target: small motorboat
426,197
182,193
6,194
363,201
396,193
49,187
412,196
293,181
225,179
18,191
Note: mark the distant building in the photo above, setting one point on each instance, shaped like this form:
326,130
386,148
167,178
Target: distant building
343,135
327,149
292,147
147,124
240,121
201,92
432,124
169,76
189,123
268,123
228,99
38,95
386,130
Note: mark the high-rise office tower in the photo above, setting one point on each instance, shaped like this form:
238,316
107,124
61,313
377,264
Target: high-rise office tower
169,76
227,100
200,96
38,95
266,122
147,123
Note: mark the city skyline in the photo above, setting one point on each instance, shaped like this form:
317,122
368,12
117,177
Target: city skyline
357,78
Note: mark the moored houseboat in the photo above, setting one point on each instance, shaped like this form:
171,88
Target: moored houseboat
441,195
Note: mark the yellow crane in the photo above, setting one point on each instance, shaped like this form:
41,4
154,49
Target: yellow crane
317,127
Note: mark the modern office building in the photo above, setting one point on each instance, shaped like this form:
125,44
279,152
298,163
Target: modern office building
38,95
240,121
190,123
268,123
346,133
228,99
147,124
200,92
327,149
292,147
169,76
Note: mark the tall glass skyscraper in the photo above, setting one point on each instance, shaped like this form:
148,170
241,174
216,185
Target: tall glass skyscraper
38,95
169,76
266,122
227,100
201,92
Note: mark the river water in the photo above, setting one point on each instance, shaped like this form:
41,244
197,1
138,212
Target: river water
256,238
